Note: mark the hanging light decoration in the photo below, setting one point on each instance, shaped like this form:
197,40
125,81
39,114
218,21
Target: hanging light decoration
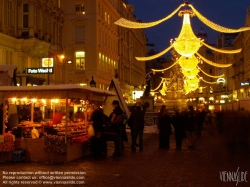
188,63
222,50
218,76
193,82
212,63
216,26
154,56
137,25
190,74
162,70
187,43
164,89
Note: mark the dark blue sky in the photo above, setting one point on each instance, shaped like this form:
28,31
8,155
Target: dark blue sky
227,13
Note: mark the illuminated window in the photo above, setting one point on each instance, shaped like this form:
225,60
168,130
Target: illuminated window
80,9
100,61
103,63
105,16
108,20
80,61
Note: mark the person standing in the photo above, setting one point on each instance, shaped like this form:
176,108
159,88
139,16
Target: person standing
191,127
98,143
178,122
164,124
117,121
138,126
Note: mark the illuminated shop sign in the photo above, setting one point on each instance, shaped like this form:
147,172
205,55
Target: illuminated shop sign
40,70
245,83
47,62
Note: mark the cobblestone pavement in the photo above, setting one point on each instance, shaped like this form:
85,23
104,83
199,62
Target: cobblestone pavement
152,167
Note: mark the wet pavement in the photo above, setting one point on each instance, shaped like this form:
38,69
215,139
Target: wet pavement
153,167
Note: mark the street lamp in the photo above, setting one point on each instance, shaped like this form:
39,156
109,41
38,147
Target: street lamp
54,49
92,83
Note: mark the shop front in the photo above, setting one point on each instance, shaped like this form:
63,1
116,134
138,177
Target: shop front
50,123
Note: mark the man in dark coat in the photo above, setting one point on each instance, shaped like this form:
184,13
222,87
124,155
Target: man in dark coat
117,121
164,130
138,126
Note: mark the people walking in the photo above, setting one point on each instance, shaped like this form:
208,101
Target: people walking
164,125
138,126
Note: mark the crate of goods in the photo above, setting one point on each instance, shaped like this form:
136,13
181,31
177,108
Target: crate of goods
19,155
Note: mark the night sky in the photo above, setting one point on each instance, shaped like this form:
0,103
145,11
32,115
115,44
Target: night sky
227,13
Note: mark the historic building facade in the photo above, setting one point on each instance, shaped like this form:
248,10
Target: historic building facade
28,28
101,49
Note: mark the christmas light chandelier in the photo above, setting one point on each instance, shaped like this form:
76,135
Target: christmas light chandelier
186,44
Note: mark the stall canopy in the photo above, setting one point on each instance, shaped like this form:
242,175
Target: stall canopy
8,74
54,91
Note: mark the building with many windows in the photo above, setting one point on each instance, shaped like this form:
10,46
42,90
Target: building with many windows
99,48
28,29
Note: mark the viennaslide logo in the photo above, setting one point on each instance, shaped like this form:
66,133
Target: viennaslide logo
234,176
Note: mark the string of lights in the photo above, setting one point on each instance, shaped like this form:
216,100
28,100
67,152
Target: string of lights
201,78
212,76
222,50
162,80
216,26
212,63
154,56
162,70
136,25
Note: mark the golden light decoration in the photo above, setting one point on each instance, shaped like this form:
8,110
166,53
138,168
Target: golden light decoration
190,74
162,80
164,88
216,26
193,82
187,44
137,25
208,81
162,70
188,63
212,63
212,76
154,56
222,50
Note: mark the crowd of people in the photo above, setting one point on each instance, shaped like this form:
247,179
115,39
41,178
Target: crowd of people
233,127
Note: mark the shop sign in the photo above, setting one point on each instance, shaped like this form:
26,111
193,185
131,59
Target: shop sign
40,70
244,83
47,62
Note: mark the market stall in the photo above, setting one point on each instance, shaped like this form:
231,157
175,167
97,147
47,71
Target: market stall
51,122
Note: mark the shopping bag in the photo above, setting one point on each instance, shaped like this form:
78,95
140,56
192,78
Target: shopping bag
91,131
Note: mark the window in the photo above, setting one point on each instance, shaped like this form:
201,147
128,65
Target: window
79,34
25,16
210,71
100,61
80,60
108,20
105,16
10,16
80,9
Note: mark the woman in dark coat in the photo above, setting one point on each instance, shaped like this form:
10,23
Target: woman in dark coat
164,125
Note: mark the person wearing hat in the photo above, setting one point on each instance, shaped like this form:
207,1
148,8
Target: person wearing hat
117,121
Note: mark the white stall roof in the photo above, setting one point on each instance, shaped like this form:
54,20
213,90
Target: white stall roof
63,87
